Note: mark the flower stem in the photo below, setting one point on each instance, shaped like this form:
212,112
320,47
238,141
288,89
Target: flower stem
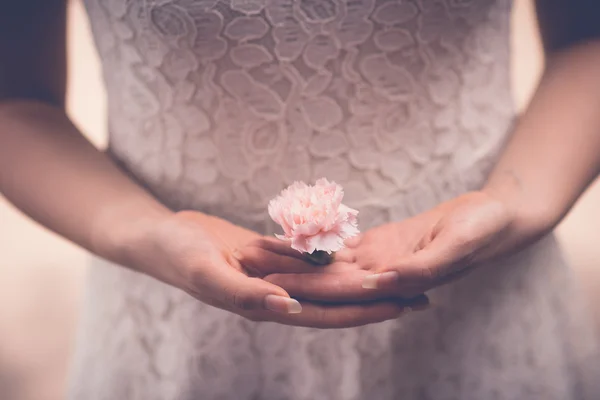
319,257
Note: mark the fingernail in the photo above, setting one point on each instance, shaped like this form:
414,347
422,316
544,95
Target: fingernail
416,307
353,241
282,304
421,307
236,254
408,310
377,280
404,311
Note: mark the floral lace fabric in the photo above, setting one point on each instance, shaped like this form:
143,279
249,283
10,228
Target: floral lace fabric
217,105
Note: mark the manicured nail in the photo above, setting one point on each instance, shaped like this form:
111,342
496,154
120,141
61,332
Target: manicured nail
408,310
282,304
353,241
417,307
378,280
421,307
404,311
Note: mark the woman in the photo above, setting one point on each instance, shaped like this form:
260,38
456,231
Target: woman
215,106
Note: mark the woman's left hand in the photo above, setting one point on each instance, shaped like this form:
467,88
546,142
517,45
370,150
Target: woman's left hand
410,257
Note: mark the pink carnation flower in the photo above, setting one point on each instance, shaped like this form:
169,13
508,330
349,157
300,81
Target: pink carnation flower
313,218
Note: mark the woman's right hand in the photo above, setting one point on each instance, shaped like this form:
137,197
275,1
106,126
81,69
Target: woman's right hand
222,264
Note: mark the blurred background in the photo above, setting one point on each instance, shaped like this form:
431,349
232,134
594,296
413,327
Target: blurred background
41,275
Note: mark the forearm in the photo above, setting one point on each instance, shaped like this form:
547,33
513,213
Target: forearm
54,175
554,152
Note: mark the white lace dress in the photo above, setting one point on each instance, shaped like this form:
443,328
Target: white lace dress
216,105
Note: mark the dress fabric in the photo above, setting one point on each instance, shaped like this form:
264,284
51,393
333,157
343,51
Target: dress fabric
216,105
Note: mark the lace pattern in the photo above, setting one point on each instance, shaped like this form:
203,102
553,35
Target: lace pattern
218,104
213,100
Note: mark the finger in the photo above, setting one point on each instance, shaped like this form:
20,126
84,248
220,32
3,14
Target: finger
348,253
436,262
349,315
277,246
334,287
239,293
440,261
353,241
263,261
340,287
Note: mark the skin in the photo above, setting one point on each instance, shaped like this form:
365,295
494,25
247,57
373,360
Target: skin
553,155
80,193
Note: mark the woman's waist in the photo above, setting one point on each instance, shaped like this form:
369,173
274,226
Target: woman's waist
392,186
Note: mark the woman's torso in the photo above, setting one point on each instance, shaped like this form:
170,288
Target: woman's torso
218,104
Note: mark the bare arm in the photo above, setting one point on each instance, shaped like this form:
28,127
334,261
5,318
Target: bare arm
554,152
553,155
53,174
47,168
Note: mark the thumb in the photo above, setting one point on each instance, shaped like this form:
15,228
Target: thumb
240,293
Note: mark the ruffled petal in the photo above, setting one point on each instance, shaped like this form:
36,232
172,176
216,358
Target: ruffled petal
301,244
313,217
327,241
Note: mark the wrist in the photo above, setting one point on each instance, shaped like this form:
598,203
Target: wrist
124,234
529,217
166,245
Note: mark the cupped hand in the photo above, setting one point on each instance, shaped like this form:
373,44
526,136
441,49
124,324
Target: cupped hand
435,247
223,265
405,259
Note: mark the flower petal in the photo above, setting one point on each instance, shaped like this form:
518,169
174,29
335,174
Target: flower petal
301,244
313,217
327,241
